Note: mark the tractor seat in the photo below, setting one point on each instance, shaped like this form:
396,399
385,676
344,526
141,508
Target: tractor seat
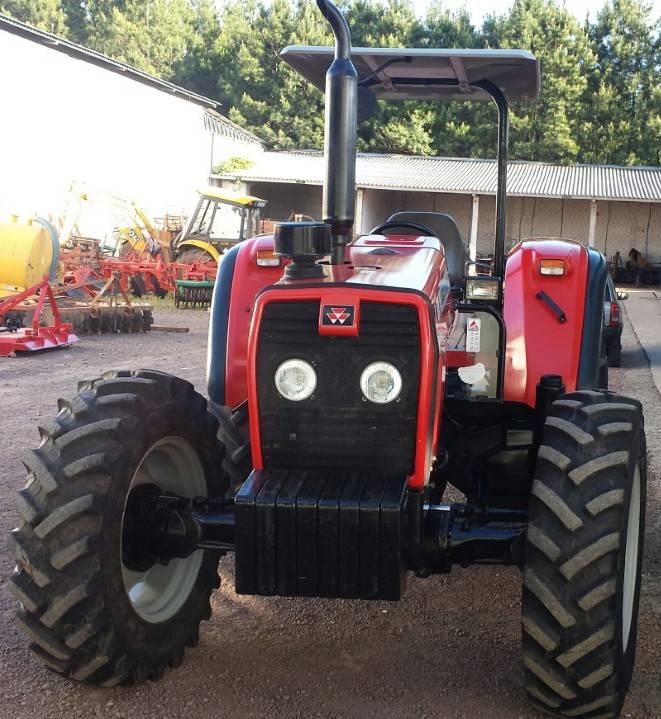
445,228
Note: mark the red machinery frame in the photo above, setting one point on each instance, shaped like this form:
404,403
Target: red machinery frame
164,273
36,337
158,274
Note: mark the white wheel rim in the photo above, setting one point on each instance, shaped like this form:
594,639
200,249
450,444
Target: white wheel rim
159,593
631,559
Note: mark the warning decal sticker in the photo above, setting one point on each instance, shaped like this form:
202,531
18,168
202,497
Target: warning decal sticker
473,327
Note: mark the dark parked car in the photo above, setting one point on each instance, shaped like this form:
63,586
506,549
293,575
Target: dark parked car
612,325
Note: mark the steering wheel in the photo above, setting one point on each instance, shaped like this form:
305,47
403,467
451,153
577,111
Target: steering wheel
419,228
479,263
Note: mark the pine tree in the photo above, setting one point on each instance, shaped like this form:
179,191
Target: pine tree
460,129
623,118
260,91
151,35
44,14
76,18
549,128
199,68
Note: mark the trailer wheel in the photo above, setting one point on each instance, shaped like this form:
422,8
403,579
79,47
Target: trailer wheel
89,616
583,555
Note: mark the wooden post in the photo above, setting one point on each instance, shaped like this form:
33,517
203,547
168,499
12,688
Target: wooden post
593,222
475,212
358,224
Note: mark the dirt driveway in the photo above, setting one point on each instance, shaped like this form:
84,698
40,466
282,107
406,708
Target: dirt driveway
449,649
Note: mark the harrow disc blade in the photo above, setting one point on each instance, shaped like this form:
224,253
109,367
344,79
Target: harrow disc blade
109,320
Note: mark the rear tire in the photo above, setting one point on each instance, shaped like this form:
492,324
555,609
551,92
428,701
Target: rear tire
583,556
70,577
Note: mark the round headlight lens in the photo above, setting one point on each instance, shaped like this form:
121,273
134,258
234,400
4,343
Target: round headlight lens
381,382
295,379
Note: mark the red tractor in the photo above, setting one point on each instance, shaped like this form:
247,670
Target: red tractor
350,382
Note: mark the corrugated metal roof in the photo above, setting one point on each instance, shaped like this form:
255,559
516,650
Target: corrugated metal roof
221,125
458,175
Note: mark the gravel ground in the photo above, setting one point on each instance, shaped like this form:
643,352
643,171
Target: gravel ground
449,649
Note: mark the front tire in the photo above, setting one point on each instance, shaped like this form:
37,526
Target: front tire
234,433
583,556
88,617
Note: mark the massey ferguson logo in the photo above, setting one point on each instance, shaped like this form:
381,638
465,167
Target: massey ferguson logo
338,315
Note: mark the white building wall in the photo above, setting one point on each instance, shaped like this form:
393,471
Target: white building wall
67,121
224,148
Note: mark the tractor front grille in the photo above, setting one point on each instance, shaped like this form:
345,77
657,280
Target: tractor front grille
337,427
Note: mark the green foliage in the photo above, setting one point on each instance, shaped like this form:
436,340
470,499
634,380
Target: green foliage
624,126
601,81
153,36
44,14
549,129
262,92
232,164
407,135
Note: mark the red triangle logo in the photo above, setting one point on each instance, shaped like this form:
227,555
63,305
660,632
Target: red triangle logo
338,314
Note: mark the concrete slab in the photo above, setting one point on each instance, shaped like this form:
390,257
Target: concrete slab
643,308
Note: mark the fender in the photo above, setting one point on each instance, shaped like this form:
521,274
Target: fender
593,324
538,341
202,245
238,282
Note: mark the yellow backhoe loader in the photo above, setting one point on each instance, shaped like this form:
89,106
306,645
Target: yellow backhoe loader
221,219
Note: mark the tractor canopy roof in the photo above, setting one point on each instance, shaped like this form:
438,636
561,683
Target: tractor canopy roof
231,197
427,74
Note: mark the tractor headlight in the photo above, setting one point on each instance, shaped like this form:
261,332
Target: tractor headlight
295,379
483,288
381,382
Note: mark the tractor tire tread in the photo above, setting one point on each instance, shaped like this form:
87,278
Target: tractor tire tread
234,434
591,444
57,575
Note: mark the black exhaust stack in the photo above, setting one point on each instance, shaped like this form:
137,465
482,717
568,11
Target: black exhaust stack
340,135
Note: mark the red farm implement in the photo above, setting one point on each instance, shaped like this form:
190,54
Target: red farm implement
15,338
142,275
139,273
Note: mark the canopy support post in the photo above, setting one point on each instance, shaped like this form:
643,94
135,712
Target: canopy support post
501,161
